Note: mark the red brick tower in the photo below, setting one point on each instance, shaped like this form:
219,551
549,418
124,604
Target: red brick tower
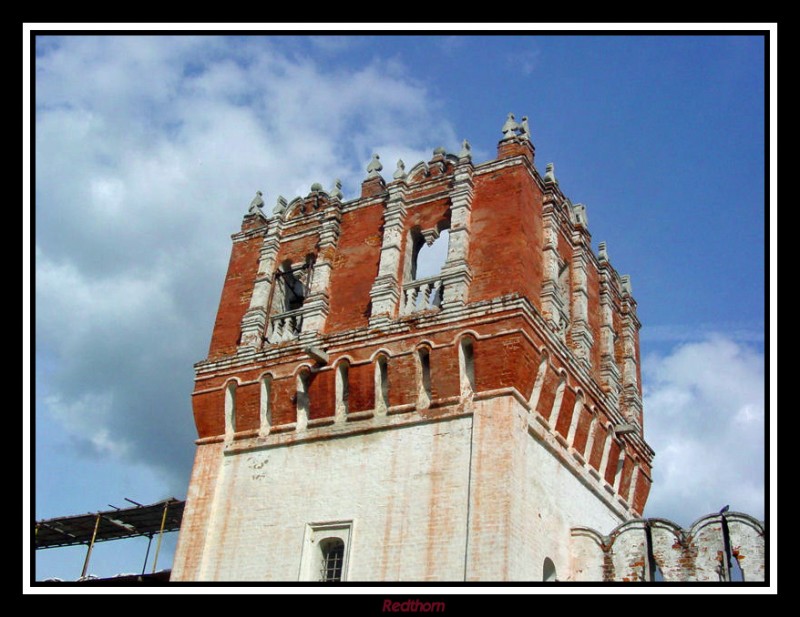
361,422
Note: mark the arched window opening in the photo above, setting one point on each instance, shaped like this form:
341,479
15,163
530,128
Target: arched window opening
467,366
342,389
549,571
430,255
291,287
424,362
230,408
382,384
426,256
332,560
265,409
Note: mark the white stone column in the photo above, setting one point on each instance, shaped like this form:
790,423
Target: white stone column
580,332
456,273
609,372
632,400
552,304
254,322
385,292
317,304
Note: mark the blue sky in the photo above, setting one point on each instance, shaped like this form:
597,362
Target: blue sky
149,150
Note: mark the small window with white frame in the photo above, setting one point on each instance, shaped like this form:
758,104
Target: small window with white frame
326,552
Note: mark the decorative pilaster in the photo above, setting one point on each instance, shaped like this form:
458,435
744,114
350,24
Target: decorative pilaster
456,273
552,302
609,372
580,333
632,400
254,321
385,292
317,305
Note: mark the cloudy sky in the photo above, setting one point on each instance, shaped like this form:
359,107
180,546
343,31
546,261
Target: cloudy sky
148,151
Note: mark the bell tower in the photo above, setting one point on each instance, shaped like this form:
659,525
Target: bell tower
362,419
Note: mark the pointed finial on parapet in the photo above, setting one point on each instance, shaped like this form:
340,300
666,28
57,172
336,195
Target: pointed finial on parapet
336,191
550,174
625,280
257,204
280,205
466,151
400,172
374,167
524,129
602,252
509,127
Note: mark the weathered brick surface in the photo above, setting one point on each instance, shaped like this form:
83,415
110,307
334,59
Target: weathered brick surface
643,483
284,409
445,372
362,387
355,266
625,481
321,394
548,395
582,431
403,386
209,414
565,412
506,237
235,298
613,458
248,398
596,456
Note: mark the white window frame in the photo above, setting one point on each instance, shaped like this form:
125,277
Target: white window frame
311,557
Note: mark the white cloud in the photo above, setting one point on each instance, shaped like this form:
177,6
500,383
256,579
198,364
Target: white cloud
704,417
149,150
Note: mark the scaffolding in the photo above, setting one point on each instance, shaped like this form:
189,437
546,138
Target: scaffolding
117,524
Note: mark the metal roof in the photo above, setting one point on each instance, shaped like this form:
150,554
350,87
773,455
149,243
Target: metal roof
113,524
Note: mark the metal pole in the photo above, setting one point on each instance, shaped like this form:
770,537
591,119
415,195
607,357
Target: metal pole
160,535
147,554
91,544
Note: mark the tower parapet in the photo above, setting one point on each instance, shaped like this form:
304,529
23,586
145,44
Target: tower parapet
510,376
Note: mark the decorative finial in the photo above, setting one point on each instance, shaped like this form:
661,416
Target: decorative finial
400,172
524,129
602,252
550,175
440,151
625,280
374,167
280,205
336,191
316,187
509,127
466,150
580,215
256,204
